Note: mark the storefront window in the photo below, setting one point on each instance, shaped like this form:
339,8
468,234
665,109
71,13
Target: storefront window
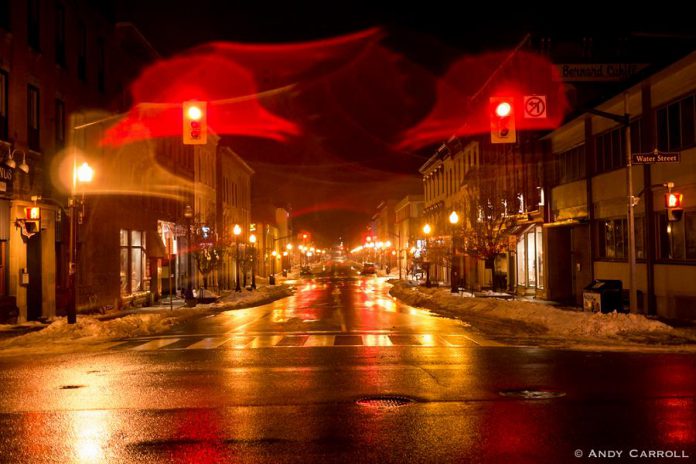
133,269
540,257
677,240
521,258
531,258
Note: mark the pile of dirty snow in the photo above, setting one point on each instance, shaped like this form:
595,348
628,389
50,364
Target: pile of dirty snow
528,319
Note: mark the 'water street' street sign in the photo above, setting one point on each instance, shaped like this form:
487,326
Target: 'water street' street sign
656,157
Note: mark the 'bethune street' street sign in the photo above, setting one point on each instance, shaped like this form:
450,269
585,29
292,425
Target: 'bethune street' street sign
656,157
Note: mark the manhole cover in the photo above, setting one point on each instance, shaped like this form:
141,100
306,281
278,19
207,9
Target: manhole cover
71,387
384,402
532,394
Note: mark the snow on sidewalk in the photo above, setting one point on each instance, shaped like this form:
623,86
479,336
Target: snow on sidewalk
529,322
93,332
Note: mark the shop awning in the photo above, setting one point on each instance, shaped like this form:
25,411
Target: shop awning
154,246
566,223
521,229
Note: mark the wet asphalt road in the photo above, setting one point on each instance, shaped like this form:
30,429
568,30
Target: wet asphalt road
280,383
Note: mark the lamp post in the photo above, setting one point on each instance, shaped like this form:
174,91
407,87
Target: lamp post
82,174
252,240
273,259
188,214
426,230
236,230
453,219
288,253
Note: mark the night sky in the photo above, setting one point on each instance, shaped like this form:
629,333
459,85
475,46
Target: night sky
335,172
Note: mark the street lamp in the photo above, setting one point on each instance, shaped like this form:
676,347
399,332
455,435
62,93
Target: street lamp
426,230
252,240
453,219
83,174
188,214
11,163
273,259
236,230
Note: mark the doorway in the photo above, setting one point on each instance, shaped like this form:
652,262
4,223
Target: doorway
34,296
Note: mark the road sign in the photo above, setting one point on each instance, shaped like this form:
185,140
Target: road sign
656,157
535,106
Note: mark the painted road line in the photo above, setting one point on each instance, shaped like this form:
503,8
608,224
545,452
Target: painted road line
265,342
376,340
431,340
208,343
320,340
155,344
293,340
348,340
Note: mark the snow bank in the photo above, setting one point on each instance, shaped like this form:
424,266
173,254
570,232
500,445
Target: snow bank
525,320
89,331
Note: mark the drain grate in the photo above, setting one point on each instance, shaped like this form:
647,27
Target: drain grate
532,394
384,402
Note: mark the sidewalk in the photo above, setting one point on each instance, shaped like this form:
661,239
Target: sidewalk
59,336
536,323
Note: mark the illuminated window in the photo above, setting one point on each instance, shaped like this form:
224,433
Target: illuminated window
133,261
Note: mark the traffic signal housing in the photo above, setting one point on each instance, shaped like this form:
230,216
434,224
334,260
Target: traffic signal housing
502,116
195,130
673,203
32,219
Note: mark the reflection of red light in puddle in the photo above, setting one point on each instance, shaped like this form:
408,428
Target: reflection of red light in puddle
677,422
229,77
201,434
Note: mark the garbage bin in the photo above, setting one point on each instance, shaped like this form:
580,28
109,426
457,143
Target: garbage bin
604,296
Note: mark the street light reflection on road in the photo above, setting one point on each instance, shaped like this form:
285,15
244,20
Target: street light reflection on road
92,431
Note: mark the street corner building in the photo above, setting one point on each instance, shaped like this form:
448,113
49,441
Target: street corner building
65,72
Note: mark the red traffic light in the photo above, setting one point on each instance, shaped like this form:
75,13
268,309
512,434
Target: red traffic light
503,109
673,200
195,123
502,118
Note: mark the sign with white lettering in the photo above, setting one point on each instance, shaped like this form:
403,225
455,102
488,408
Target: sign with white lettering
656,157
598,71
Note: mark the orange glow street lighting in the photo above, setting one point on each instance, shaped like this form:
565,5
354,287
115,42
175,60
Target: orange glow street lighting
252,240
426,230
236,230
81,175
453,219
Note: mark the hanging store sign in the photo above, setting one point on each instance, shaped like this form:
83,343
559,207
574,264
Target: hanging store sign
6,179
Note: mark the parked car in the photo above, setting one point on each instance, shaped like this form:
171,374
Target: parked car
305,271
368,268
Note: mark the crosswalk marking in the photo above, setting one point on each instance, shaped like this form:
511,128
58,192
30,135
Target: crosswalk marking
298,340
377,340
266,341
155,344
320,340
208,343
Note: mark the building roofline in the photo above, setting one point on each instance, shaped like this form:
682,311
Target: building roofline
617,99
123,25
238,159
